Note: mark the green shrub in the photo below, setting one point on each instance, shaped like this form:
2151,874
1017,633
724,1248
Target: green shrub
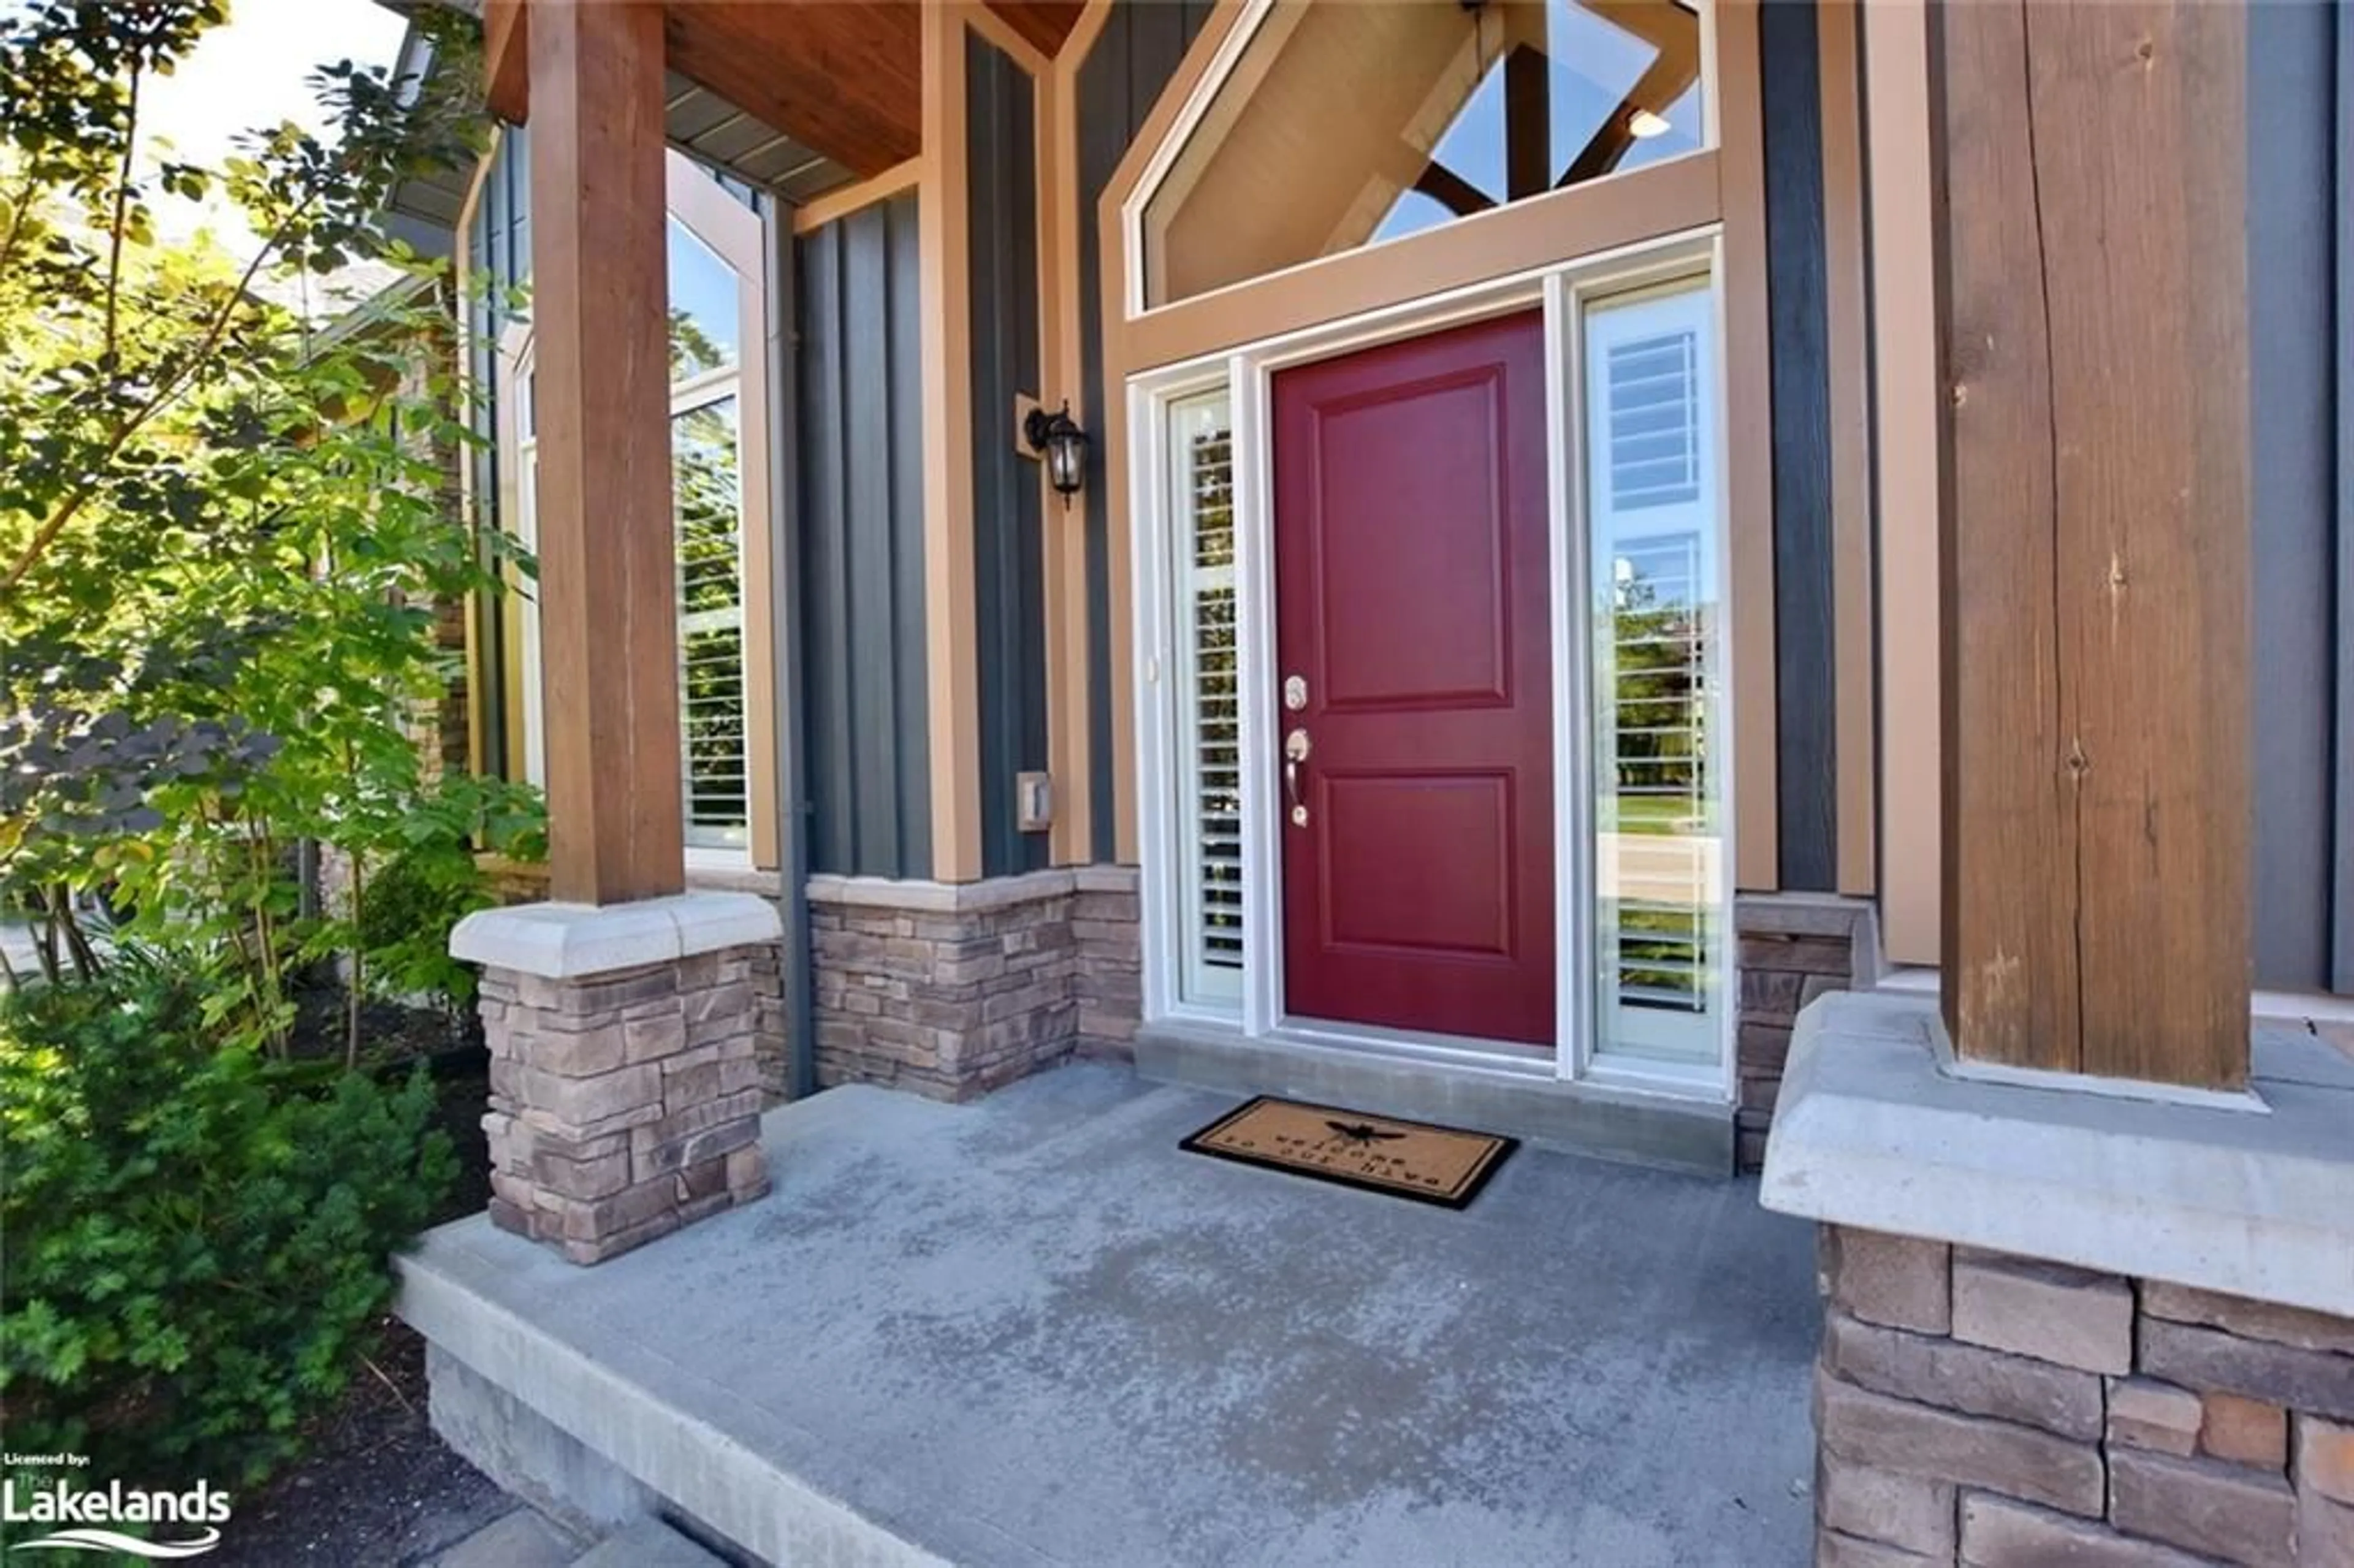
196,1246
402,928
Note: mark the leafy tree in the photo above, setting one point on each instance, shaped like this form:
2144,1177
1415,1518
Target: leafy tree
222,532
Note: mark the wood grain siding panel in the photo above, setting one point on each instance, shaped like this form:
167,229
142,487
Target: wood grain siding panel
2291,303
2093,181
1009,553
607,563
861,520
1804,629
1134,55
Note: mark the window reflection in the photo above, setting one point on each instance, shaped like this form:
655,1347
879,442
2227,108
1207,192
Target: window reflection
1347,124
703,308
709,508
1658,761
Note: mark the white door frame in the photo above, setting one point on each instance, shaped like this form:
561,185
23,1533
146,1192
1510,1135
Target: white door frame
1246,375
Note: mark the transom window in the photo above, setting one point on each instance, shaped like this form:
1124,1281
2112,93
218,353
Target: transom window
1343,125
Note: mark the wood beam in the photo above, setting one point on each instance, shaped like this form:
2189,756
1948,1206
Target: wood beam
506,67
2089,180
607,582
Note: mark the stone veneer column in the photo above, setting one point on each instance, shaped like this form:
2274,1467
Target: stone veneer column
2146,1358
625,1070
1108,976
1794,947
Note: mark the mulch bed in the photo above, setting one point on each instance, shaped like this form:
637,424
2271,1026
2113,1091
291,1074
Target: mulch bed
375,1487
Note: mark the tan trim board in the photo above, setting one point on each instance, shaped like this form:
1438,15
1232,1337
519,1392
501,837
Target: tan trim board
1000,32
1903,343
1670,198
820,211
1069,752
1081,41
950,623
1749,445
1848,356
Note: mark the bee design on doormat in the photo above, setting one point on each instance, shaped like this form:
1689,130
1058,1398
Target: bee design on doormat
1362,1133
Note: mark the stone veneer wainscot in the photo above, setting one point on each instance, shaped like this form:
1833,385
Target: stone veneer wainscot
953,990
2007,1405
1794,947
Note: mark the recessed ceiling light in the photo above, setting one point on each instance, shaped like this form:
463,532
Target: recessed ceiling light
1643,125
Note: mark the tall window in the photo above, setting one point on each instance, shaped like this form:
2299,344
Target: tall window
1345,126
1209,743
1657,627
716,467
707,508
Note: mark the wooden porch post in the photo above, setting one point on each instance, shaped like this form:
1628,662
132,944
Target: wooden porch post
2090,165
600,311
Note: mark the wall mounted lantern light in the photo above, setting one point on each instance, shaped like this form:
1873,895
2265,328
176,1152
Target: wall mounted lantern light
1057,439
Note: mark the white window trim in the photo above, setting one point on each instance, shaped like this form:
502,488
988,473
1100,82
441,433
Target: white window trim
1562,289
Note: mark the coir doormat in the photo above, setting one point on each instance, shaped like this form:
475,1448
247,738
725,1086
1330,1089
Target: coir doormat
1413,1160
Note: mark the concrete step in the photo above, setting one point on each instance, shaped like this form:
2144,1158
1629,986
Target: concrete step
522,1539
649,1543
527,1537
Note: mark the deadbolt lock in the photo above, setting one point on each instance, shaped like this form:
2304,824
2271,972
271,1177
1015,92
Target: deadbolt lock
1295,694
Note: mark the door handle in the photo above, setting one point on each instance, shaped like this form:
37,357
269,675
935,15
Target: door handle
1296,747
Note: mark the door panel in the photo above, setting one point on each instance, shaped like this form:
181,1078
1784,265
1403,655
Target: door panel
1411,590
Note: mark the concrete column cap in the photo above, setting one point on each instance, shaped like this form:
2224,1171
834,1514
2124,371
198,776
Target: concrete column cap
2252,1199
577,941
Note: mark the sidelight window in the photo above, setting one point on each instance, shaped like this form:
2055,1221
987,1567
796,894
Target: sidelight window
1209,717
1658,615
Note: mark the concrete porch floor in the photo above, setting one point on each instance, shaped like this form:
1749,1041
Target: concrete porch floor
1032,1330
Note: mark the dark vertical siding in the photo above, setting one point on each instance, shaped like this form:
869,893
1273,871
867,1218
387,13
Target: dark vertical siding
2291,289
862,516
2342,333
1009,559
1134,57
1806,709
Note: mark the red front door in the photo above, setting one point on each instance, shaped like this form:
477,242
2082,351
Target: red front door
1413,657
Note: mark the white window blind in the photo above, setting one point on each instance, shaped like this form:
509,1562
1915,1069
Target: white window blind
1658,787
708,509
1209,742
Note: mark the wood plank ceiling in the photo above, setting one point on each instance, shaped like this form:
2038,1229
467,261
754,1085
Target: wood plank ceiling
844,80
